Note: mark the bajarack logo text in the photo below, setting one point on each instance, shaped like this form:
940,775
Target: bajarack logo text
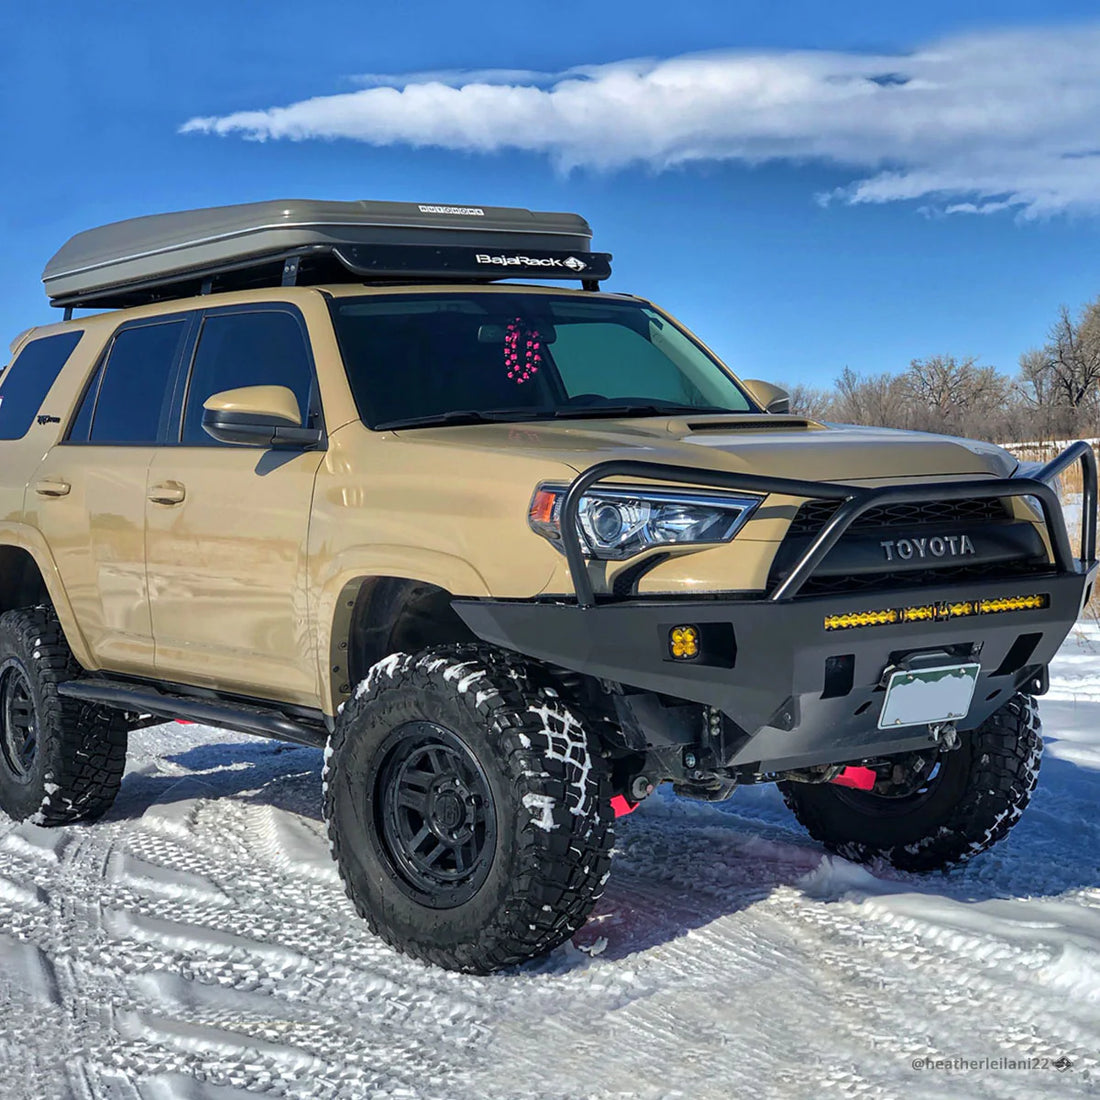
939,546
570,262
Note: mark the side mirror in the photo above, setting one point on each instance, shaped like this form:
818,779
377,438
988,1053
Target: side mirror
267,416
770,398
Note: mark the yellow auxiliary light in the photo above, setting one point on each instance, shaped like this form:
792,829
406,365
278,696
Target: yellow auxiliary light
861,618
1012,603
918,614
683,642
939,612
962,609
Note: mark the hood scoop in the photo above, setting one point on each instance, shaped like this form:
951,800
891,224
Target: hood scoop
768,422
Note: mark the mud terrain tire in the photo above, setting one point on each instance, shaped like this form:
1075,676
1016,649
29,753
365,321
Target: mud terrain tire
61,760
980,792
467,811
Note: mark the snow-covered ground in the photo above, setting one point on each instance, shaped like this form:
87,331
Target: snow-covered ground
196,944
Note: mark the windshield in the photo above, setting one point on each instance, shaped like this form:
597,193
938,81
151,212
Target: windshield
469,357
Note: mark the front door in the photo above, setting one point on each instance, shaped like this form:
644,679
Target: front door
227,525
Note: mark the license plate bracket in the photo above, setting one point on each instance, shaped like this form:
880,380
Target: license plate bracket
927,696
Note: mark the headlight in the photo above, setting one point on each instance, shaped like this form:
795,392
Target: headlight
618,523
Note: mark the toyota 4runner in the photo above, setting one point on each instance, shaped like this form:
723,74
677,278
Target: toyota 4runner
514,555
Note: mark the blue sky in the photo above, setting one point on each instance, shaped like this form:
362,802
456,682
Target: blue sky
704,176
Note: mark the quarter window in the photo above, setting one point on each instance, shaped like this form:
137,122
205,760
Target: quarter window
29,379
262,348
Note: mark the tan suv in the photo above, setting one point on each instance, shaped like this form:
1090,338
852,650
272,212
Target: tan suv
514,554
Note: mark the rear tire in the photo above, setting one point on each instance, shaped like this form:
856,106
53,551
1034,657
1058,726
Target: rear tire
973,800
467,812
61,760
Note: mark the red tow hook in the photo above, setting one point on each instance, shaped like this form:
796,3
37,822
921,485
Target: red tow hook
863,779
622,805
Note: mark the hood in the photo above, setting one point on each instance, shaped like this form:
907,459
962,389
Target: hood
755,443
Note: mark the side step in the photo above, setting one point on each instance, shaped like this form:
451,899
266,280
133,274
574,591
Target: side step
229,714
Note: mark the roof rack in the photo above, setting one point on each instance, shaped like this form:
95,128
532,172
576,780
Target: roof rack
303,242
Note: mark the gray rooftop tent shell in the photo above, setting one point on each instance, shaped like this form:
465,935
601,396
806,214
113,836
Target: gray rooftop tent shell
164,256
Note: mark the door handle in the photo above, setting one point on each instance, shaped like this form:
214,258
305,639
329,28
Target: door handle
52,488
168,492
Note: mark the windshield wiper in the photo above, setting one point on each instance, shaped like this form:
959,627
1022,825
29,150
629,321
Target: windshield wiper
633,409
578,412
458,416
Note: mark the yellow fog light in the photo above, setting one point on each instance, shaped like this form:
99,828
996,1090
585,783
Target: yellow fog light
862,618
683,642
1013,603
918,614
938,612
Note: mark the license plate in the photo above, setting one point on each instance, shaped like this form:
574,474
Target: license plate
922,697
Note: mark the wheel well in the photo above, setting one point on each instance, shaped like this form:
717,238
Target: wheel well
21,583
391,615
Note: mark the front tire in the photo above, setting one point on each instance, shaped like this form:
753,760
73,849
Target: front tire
467,811
61,760
969,802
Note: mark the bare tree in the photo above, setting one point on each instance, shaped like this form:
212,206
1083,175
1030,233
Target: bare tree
1062,378
1055,396
1047,416
947,394
877,399
810,401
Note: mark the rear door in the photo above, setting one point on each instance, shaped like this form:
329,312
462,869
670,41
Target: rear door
88,494
227,525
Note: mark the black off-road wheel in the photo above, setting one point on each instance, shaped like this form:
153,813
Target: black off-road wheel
942,810
60,760
468,813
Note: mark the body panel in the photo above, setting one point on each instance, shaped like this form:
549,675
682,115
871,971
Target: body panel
226,568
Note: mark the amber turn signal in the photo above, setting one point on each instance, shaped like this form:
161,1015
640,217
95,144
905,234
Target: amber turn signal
542,507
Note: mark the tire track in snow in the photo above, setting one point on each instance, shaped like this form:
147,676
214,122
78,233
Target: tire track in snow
159,912
202,947
974,977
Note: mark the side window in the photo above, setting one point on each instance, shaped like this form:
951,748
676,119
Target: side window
29,379
265,348
82,422
132,395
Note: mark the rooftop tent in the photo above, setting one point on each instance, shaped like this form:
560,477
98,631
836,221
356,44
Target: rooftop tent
166,256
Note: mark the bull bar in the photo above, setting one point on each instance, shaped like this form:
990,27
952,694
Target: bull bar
854,501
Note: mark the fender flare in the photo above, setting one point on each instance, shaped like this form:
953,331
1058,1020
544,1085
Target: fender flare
334,597
30,539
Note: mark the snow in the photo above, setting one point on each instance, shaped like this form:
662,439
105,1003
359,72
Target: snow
565,741
542,811
196,944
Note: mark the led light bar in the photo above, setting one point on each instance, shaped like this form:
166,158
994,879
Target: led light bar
937,612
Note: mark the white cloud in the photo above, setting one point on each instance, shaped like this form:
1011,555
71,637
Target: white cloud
972,124
457,77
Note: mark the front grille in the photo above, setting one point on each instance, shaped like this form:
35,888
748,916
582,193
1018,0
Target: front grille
919,578
814,514
928,517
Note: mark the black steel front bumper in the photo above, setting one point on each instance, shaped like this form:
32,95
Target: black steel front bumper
799,693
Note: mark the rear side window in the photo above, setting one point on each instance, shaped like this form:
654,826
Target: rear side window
128,399
262,348
29,379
